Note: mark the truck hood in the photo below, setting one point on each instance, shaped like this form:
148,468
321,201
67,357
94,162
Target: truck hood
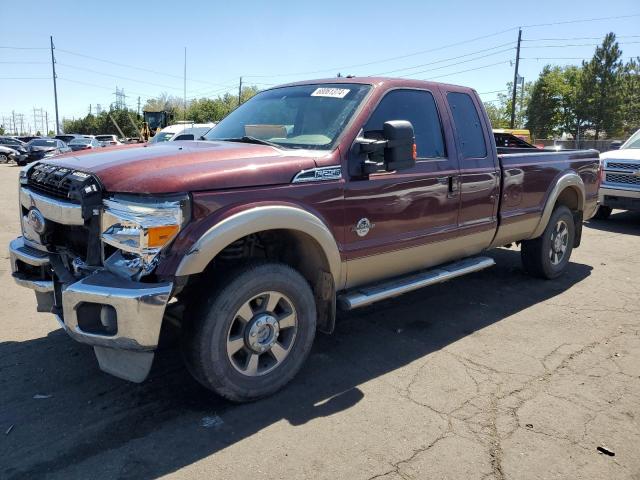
624,154
188,166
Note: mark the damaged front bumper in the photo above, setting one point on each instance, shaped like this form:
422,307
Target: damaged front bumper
120,318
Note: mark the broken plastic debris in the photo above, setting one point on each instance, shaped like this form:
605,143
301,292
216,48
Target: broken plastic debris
39,396
529,425
606,451
211,422
9,430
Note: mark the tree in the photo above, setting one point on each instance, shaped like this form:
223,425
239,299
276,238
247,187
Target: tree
499,110
543,112
600,88
630,92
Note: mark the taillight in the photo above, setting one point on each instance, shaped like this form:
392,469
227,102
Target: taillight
415,151
602,172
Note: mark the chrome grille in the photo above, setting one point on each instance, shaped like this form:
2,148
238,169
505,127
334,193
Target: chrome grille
623,166
623,178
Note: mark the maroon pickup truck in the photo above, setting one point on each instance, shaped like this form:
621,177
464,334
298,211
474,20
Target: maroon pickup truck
309,197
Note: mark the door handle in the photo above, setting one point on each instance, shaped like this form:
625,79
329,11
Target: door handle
453,186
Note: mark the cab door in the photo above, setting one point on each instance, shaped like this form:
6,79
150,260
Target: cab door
391,216
479,170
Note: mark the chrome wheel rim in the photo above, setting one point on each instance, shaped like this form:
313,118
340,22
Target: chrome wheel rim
262,334
559,242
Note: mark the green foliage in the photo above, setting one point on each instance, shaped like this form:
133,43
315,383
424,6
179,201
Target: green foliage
602,96
499,111
199,110
1,129
104,123
600,84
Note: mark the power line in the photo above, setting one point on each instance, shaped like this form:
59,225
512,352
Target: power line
138,68
470,69
118,76
24,78
9,47
576,45
580,21
573,38
457,63
389,59
447,59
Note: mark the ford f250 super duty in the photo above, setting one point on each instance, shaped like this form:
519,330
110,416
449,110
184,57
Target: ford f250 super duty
309,197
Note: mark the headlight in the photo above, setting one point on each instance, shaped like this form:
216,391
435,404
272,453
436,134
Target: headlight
142,228
50,154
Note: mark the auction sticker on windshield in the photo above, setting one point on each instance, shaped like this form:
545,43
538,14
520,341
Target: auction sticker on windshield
330,92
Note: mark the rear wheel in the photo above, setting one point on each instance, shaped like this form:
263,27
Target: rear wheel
4,158
548,255
252,335
603,212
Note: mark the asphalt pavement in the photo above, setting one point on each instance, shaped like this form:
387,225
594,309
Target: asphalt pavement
495,375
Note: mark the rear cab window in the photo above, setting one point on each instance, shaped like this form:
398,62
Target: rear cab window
469,128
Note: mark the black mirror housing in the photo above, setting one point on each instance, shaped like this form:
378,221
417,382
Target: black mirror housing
399,152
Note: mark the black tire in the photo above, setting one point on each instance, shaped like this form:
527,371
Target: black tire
603,212
4,158
537,254
209,329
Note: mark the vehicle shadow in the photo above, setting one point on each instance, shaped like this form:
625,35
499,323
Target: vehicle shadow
620,221
98,426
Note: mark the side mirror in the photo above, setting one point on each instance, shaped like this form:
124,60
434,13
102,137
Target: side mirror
396,151
400,151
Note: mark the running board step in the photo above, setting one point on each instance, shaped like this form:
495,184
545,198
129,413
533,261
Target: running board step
367,295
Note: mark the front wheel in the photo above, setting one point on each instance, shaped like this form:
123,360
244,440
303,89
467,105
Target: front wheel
252,335
548,255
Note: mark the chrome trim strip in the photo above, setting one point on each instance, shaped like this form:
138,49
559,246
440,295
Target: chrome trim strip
18,250
44,286
320,174
55,210
618,192
368,295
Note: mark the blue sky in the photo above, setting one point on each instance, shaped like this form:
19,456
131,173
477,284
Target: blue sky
275,42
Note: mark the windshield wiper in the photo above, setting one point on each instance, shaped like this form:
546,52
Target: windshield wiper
248,139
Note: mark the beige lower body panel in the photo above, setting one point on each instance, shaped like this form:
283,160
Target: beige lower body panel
365,270
515,231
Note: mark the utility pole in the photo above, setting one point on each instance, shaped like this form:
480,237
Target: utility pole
184,115
46,116
138,106
15,129
240,92
55,87
89,109
515,81
521,96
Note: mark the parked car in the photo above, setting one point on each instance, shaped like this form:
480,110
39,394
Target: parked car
107,140
15,144
84,144
66,138
182,131
8,154
28,138
621,183
309,196
40,148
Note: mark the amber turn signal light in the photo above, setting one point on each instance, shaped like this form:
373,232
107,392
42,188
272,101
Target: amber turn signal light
160,236
415,151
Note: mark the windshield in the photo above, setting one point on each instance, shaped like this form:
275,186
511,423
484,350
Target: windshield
105,138
633,142
42,143
80,141
162,137
304,116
